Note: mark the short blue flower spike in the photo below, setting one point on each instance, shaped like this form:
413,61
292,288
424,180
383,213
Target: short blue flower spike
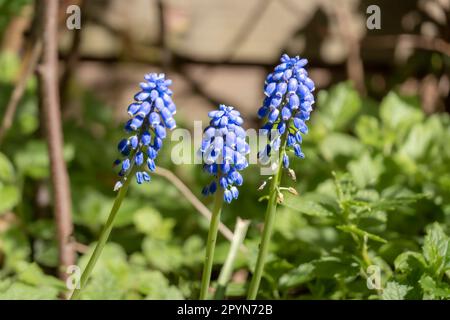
151,114
224,151
287,106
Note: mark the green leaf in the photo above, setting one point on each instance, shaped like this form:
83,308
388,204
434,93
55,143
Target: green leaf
409,261
398,113
10,197
355,230
339,144
275,268
436,249
6,169
21,291
366,170
395,291
333,267
432,290
31,274
160,254
298,276
338,106
9,192
417,142
32,159
305,206
369,132
14,246
148,220
154,285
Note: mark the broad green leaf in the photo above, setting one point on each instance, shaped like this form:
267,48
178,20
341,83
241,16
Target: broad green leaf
14,246
366,170
7,174
300,275
368,131
33,161
436,249
395,291
9,64
154,285
193,251
162,255
339,144
432,290
397,112
21,291
275,268
113,261
149,221
305,206
417,142
10,197
31,274
28,115
333,267
409,261
104,286
338,106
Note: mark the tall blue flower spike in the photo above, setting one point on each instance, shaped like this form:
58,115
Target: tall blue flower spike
150,115
287,106
224,151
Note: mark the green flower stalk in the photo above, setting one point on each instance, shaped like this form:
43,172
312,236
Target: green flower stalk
151,114
223,152
286,108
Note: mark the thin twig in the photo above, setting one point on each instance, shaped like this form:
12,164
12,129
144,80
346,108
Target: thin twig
48,77
187,193
28,68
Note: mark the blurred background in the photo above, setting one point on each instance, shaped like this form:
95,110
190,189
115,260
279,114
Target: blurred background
377,152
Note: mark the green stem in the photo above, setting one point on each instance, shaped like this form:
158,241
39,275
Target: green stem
225,274
103,237
268,227
211,243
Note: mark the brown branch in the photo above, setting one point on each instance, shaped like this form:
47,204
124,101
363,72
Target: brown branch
28,68
48,77
201,208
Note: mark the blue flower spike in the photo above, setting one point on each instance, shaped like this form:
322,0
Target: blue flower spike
287,106
151,114
224,149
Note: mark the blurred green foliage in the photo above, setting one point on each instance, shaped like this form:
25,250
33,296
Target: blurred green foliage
374,190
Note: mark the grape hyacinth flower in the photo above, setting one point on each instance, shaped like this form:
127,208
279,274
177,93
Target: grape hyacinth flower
223,151
286,108
151,114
